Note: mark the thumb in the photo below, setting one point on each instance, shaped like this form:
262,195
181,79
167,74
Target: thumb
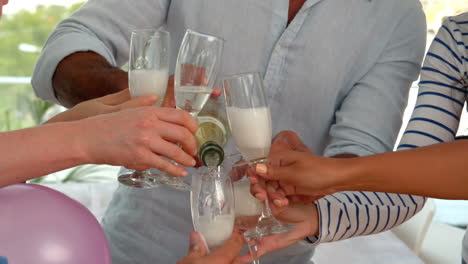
197,246
230,249
146,100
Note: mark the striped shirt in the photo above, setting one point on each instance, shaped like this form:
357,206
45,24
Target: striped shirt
442,90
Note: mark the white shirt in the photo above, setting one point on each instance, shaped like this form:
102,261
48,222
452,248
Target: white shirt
338,75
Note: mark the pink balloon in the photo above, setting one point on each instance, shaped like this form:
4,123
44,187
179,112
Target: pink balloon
39,225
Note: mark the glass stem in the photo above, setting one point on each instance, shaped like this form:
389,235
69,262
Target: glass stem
252,244
266,211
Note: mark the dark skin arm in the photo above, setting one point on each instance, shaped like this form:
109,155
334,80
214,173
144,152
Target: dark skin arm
83,76
437,171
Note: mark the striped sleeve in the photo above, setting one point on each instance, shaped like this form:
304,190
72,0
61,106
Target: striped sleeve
442,89
435,119
348,214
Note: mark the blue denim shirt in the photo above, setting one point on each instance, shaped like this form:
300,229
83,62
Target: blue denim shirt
338,75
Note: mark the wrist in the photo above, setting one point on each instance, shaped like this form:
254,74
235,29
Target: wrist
351,174
78,140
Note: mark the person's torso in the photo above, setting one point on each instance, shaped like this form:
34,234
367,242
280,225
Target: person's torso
309,66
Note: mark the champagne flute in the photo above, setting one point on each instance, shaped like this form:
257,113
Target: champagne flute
197,68
212,205
250,121
248,209
148,74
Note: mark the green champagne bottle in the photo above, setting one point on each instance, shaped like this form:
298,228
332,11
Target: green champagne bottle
212,134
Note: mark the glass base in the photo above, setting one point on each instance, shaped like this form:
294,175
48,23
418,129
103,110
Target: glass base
268,226
137,179
170,181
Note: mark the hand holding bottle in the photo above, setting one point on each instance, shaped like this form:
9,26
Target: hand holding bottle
145,133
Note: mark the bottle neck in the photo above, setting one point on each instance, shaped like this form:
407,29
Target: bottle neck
211,154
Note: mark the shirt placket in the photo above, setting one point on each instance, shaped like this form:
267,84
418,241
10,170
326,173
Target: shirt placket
275,73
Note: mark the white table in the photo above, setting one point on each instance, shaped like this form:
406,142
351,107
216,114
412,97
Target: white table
383,248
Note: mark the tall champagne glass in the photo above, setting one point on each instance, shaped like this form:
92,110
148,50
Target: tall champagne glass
212,205
248,209
148,74
197,67
250,121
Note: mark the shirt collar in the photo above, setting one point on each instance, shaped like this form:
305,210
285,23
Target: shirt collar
310,3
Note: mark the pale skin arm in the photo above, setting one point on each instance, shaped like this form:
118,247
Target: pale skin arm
439,171
145,133
38,151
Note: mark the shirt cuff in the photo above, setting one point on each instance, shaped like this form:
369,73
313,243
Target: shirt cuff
54,52
314,240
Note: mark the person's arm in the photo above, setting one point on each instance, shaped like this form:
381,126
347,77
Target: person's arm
367,122
135,138
81,58
82,76
34,152
435,119
438,171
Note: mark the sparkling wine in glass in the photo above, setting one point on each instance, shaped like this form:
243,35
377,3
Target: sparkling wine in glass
212,205
250,122
197,67
248,209
148,74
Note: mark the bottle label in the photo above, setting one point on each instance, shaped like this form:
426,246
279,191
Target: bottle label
211,129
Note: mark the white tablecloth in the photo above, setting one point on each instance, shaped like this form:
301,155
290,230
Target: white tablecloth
383,248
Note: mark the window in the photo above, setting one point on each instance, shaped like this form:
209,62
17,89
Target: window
24,28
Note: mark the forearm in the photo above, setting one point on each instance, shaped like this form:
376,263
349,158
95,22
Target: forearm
34,152
439,171
83,76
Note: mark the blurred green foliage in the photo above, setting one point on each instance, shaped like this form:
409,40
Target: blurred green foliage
22,36
30,29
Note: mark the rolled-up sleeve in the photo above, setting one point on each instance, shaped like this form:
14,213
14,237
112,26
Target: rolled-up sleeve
101,26
368,122
370,116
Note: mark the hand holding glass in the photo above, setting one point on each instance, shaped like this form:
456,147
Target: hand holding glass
250,121
148,74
